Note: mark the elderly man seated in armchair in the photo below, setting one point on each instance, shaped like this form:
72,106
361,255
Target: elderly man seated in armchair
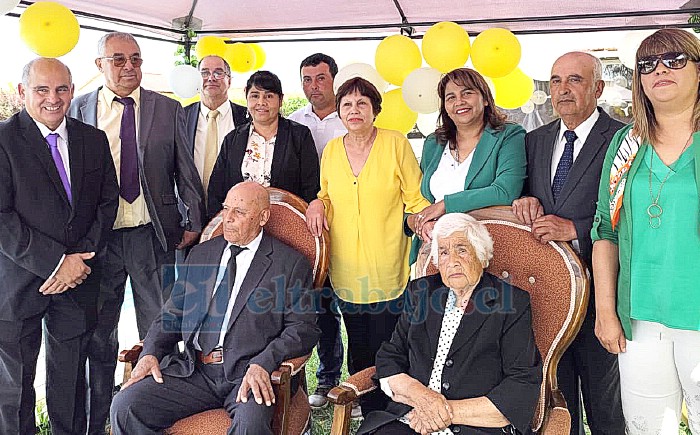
242,305
462,358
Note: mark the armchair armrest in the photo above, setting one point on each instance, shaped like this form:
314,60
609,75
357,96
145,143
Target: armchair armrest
131,355
343,395
557,420
296,364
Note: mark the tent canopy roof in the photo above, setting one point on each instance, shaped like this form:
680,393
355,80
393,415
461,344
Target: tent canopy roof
277,19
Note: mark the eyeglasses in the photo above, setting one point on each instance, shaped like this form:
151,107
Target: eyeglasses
671,60
119,60
218,74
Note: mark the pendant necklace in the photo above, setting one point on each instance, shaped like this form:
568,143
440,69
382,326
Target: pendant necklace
654,211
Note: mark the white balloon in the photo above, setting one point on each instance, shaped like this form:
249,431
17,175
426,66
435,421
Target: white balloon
627,49
419,90
7,6
364,70
427,122
528,107
620,81
185,81
539,97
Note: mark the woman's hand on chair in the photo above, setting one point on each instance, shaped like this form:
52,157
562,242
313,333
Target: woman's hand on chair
610,334
316,218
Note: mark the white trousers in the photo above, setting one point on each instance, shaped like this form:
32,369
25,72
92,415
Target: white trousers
659,370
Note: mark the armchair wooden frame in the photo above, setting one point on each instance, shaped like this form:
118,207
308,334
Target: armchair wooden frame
558,283
290,411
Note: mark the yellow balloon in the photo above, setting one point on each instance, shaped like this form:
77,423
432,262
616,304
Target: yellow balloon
210,46
240,56
396,57
495,52
395,114
260,56
513,90
49,29
446,46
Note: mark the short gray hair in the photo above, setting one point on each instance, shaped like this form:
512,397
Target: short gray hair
227,67
473,230
27,70
102,43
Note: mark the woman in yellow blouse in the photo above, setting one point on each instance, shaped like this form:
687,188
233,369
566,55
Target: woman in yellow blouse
369,179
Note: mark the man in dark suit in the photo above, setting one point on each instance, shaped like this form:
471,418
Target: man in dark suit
214,117
58,200
242,305
564,160
149,146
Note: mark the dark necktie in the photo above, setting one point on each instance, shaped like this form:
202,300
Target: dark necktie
212,323
564,166
128,168
52,140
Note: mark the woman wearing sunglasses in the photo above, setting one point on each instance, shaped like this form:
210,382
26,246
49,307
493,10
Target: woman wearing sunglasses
646,232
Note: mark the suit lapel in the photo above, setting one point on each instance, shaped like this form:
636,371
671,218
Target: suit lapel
76,147
595,143
476,314
549,140
146,115
482,152
40,147
88,111
281,143
192,121
433,321
261,262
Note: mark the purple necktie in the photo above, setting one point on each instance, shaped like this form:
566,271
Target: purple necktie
128,169
52,140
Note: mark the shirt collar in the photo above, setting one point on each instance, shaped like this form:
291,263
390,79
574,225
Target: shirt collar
583,130
252,246
62,130
309,111
224,109
108,96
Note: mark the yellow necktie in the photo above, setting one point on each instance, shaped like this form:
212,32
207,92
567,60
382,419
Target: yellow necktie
211,148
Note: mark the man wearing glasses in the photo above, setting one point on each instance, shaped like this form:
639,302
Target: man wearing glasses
148,143
209,121
564,162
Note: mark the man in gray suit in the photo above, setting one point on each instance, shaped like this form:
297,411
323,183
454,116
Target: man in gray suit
148,143
565,159
241,305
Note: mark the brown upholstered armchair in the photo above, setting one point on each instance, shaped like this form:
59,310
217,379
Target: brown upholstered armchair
558,285
288,224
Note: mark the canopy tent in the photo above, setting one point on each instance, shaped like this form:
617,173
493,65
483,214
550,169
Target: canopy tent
293,19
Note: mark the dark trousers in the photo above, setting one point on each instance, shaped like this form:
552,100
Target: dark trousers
330,344
368,326
148,407
65,372
136,253
587,369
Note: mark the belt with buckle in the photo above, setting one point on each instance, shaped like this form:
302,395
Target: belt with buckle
215,357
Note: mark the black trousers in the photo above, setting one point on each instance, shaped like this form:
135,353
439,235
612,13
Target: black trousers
65,372
135,253
148,407
587,369
368,326
330,344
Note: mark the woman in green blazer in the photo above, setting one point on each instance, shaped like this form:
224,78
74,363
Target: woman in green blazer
474,159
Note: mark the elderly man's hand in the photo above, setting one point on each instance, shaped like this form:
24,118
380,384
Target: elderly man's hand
256,379
553,228
431,412
147,365
316,218
527,209
70,274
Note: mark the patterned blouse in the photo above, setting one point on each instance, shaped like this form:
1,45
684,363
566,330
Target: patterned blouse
257,160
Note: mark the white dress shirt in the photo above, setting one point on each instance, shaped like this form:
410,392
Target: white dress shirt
449,177
582,132
243,262
224,124
322,130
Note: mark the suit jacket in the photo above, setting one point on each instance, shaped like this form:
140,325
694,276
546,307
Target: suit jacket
272,320
238,112
577,200
164,162
38,225
295,166
495,176
493,353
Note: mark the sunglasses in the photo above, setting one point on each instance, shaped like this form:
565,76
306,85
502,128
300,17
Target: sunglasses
119,60
671,60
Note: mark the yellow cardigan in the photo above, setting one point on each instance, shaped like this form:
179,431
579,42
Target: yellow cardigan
369,250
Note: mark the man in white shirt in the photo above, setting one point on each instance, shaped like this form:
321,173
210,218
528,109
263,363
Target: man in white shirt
317,74
564,161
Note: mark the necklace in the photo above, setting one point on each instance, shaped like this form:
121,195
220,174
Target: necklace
654,211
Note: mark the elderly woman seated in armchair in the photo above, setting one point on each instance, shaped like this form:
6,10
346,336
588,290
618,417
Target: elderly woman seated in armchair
462,358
